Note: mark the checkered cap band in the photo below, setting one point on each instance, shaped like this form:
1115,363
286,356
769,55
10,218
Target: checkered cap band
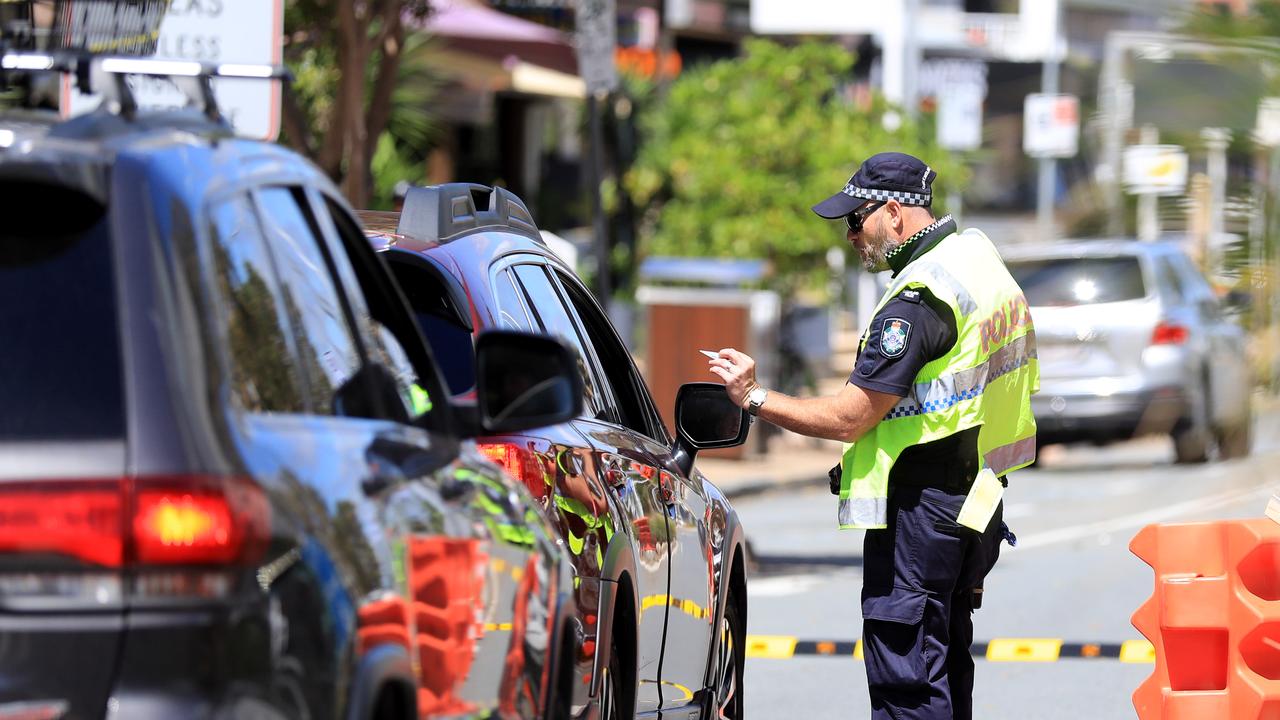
906,198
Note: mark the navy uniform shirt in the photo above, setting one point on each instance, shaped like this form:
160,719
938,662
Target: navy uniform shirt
910,331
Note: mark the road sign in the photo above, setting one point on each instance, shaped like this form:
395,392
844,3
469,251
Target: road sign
597,42
1050,125
213,31
960,117
1155,169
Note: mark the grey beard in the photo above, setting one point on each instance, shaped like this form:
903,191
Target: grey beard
876,260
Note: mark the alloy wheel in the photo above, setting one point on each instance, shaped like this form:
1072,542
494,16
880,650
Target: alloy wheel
726,703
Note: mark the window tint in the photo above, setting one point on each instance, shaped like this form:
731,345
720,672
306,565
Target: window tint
511,311
388,330
635,406
437,319
60,371
326,344
554,319
1169,282
263,370
1078,281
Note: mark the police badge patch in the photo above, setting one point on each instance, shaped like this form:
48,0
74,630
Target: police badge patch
893,337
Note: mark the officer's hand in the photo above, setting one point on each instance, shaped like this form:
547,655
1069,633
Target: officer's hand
738,371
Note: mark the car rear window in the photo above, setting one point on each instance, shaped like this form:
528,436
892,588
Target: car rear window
60,371
1078,281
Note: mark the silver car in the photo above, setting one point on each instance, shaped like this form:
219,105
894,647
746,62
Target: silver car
1132,341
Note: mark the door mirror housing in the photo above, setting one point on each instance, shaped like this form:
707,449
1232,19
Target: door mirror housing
524,381
706,419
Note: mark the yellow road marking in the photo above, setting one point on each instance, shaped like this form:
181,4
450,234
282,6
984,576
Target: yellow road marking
1024,650
1137,651
771,646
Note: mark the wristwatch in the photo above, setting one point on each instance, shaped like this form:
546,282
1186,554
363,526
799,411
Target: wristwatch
755,399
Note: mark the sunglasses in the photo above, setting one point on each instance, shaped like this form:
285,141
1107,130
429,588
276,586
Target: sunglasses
855,219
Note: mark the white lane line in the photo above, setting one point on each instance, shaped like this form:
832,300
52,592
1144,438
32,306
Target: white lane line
1146,517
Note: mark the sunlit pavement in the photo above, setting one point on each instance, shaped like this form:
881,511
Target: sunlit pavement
1071,578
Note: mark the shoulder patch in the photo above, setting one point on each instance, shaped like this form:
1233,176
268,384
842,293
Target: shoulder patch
894,335
911,296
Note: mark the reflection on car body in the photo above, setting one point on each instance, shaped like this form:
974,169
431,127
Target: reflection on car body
634,514
236,485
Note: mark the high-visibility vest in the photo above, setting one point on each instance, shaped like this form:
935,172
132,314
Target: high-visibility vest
984,381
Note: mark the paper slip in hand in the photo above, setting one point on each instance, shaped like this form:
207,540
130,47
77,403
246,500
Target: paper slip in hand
1273,508
710,354
981,502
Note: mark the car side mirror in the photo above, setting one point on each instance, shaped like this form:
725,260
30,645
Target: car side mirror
525,381
706,419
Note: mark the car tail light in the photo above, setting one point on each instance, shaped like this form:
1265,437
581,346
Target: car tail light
80,520
177,535
520,463
1167,333
199,521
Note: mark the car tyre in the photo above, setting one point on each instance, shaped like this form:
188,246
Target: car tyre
1235,441
614,702
727,702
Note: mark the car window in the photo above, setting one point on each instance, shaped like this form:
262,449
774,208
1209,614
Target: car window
58,319
396,343
262,366
326,343
1167,279
635,406
451,342
1078,281
554,319
511,311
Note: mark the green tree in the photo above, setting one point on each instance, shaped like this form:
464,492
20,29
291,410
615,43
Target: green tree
737,151
359,74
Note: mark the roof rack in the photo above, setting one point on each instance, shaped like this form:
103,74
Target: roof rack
106,74
440,213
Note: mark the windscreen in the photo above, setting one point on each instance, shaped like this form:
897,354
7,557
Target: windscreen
60,370
1078,281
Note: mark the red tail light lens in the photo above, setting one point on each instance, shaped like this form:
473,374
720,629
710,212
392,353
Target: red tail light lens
1169,334
183,520
520,463
81,520
199,522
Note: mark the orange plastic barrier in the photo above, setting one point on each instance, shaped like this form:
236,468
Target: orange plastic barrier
1214,620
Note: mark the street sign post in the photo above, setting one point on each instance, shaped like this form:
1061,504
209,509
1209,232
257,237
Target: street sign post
1155,170
217,32
1051,125
597,40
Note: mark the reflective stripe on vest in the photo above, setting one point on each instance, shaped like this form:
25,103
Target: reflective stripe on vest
984,380
942,393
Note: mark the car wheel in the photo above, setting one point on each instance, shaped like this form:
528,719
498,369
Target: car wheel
1235,441
613,703
1190,445
729,662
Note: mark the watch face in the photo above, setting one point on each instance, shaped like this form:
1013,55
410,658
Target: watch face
757,396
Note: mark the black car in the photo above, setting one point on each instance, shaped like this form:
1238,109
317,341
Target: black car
232,483
657,549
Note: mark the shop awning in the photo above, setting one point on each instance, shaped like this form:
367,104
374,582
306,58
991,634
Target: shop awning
474,28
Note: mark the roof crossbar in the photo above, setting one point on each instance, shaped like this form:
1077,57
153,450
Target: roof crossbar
106,74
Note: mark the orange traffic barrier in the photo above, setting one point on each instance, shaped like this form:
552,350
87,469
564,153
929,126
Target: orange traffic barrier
1214,620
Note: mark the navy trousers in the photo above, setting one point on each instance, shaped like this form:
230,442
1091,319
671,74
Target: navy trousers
917,599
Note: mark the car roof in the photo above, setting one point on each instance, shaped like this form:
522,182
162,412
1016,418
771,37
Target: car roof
1090,248
79,153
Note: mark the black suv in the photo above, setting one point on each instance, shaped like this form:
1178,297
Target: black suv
657,549
232,483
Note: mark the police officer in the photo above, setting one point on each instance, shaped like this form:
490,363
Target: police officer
935,413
